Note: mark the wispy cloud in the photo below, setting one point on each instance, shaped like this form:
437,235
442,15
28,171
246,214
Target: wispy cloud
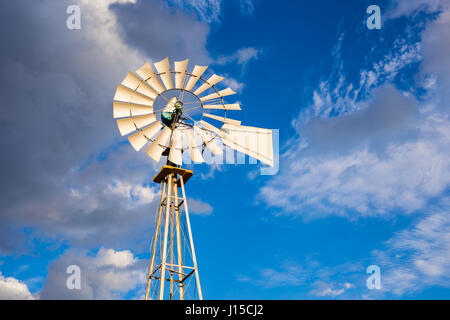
290,274
382,153
199,207
207,10
242,56
319,280
418,256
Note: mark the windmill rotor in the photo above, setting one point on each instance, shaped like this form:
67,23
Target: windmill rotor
170,112
172,109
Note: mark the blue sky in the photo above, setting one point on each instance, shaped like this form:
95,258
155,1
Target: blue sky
363,137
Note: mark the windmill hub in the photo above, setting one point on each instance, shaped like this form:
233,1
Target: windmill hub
172,115
179,105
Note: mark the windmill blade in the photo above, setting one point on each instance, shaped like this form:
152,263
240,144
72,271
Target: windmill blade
125,109
208,84
134,82
127,125
234,106
255,142
163,68
140,138
208,139
147,73
210,127
195,153
180,73
195,75
170,106
225,120
220,94
129,95
159,145
175,153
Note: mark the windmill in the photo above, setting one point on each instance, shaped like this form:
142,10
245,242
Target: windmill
166,110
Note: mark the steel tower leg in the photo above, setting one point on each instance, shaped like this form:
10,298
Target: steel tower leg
173,256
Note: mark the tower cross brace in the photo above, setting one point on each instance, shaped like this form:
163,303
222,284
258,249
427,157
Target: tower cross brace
173,259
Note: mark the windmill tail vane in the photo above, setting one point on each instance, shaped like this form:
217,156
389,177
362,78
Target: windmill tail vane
167,110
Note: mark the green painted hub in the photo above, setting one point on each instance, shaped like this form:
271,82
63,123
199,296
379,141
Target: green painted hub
168,117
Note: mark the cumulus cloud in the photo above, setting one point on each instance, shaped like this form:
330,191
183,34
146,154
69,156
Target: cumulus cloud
161,32
366,164
13,289
67,173
109,274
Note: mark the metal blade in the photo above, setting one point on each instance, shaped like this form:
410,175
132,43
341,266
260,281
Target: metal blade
208,84
127,125
140,138
225,120
147,73
234,106
180,69
255,142
220,94
134,82
195,75
159,145
176,154
196,155
170,106
208,139
129,95
163,68
125,109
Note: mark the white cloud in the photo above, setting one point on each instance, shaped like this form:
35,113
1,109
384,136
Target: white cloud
404,8
233,83
323,289
82,184
110,274
242,56
199,207
343,97
210,10
357,172
289,274
119,259
13,289
247,6
385,154
417,257
136,194
310,274
207,10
